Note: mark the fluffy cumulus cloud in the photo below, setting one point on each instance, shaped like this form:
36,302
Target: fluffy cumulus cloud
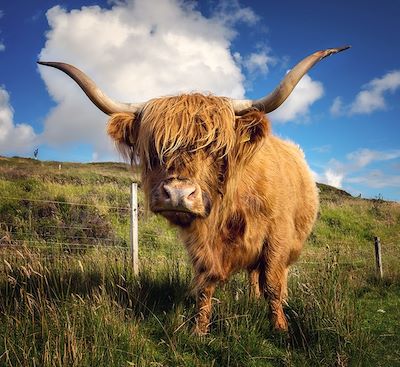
297,106
355,169
14,138
135,51
371,98
141,49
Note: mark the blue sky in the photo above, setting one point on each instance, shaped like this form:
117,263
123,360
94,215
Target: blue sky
344,113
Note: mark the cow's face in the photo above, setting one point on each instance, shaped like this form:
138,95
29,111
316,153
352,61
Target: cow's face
184,189
189,147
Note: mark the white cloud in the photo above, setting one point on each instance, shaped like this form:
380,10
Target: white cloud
14,138
338,173
258,62
366,102
337,107
371,98
135,51
363,157
333,178
299,102
230,12
376,179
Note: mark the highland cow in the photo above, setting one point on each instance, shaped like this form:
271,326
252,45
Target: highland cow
243,198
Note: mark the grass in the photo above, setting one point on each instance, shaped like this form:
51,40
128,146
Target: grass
81,306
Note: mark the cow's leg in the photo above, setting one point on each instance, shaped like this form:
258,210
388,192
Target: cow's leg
275,288
204,295
254,282
284,290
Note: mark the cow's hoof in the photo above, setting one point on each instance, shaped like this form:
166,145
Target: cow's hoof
200,330
280,325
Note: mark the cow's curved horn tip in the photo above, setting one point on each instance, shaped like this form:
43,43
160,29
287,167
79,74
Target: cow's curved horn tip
340,49
47,63
331,51
344,48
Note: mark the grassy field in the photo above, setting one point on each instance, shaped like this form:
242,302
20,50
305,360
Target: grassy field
68,296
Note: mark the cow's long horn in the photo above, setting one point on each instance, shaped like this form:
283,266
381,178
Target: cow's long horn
273,100
101,100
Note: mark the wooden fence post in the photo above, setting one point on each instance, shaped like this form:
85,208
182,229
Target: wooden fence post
378,257
134,229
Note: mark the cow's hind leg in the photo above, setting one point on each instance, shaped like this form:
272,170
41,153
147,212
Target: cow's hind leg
274,283
254,283
284,290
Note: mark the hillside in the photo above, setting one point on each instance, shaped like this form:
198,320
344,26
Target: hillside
65,278
15,169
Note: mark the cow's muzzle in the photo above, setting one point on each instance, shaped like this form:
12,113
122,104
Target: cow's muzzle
179,196
180,201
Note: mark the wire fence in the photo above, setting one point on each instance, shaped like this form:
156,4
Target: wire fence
74,226
41,223
65,202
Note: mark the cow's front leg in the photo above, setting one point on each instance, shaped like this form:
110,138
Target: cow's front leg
204,295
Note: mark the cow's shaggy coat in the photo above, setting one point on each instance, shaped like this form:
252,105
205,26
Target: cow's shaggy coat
262,197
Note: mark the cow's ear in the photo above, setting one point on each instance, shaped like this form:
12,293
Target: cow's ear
121,128
252,128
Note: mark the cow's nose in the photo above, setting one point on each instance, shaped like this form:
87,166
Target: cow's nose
177,194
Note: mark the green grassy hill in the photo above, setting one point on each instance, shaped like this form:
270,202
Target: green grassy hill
68,296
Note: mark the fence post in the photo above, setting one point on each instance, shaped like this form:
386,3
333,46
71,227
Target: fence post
378,257
134,229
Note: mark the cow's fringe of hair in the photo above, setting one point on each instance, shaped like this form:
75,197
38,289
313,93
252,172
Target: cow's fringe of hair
174,126
185,123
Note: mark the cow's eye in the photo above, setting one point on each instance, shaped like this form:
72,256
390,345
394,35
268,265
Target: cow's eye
223,165
154,161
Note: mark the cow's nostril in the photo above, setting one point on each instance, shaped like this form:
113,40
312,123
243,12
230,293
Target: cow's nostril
191,194
166,190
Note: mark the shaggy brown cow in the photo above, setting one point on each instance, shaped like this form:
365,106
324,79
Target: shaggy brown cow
243,198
